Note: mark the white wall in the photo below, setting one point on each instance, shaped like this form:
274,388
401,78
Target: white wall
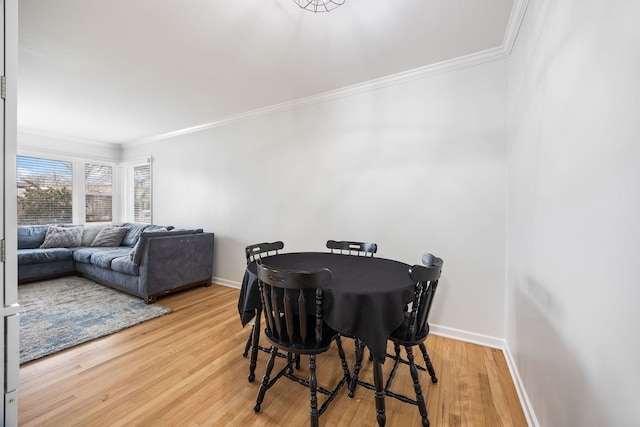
573,281
414,167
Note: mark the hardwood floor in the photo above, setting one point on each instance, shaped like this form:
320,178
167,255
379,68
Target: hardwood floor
186,369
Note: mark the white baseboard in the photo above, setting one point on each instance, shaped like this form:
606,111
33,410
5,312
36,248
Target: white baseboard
225,282
529,414
470,337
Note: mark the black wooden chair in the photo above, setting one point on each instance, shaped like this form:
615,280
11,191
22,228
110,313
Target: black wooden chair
345,247
413,332
352,248
256,253
292,306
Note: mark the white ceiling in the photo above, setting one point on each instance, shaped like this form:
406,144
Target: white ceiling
127,70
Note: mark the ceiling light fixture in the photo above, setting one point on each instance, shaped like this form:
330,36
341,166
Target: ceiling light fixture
319,5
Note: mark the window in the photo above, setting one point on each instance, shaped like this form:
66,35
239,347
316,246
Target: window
68,190
137,197
98,189
44,191
60,191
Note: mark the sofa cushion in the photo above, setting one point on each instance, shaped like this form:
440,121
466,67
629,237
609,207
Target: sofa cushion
83,254
31,236
39,256
124,264
110,236
62,237
103,258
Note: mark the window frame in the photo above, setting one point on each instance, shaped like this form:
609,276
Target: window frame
126,172
88,194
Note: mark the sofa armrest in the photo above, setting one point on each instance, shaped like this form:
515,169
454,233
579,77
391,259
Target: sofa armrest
168,262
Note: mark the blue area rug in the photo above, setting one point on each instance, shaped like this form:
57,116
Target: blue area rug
60,313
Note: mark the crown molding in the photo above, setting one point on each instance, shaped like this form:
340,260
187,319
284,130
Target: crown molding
494,54
515,21
52,135
466,61
49,153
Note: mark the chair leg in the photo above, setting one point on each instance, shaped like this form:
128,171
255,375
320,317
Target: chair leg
313,386
427,361
381,415
290,358
343,358
416,386
265,380
255,340
356,368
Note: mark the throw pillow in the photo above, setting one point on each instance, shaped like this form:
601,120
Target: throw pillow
62,237
110,236
132,254
91,231
132,235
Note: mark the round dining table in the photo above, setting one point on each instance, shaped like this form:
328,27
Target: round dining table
366,299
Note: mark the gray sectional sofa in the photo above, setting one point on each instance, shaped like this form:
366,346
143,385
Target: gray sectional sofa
149,261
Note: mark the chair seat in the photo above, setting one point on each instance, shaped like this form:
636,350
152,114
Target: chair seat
402,334
297,345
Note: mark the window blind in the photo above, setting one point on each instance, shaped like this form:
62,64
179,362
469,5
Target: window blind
44,191
137,203
98,192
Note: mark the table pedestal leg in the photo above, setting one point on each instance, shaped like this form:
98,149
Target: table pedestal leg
255,340
378,380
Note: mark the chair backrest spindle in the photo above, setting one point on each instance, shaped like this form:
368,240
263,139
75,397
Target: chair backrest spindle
261,250
352,248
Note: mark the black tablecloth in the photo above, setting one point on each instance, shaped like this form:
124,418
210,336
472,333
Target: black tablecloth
366,297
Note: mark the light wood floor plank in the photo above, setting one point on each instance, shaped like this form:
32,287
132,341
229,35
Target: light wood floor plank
186,369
